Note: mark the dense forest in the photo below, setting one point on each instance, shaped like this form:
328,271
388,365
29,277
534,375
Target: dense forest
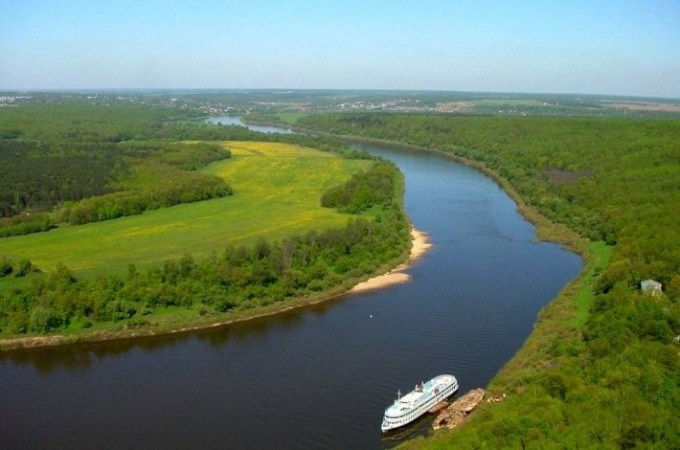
77,165
90,182
611,380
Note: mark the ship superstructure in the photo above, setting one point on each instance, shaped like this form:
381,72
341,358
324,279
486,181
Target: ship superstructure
425,396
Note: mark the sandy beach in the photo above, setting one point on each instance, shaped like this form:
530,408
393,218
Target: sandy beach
420,246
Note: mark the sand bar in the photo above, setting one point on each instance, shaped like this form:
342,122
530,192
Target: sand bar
420,245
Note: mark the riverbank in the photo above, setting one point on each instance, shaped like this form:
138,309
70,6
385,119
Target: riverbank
419,245
559,325
545,229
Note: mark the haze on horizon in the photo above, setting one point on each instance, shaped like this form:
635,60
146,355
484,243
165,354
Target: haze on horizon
624,47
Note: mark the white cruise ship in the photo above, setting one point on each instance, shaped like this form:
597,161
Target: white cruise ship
425,396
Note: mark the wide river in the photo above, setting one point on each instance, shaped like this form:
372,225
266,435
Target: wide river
319,377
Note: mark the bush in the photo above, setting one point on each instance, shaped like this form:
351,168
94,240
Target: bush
5,266
44,320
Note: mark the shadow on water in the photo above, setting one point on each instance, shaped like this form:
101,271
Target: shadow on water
76,357
81,356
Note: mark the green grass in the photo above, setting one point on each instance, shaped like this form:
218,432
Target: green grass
277,190
598,254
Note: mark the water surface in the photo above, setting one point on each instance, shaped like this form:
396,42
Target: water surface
236,121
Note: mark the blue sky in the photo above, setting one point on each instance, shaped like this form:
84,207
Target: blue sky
571,46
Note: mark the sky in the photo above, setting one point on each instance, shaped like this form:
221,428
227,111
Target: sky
625,47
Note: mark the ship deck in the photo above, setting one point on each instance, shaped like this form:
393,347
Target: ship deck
410,400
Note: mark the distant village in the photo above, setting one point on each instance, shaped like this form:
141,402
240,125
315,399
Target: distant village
226,102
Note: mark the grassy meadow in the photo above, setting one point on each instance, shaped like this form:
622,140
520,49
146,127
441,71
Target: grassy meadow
277,189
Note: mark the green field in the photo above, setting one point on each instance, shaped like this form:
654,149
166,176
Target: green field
599,254
277,189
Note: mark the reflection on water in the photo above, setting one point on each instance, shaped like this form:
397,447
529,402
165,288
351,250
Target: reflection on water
81,356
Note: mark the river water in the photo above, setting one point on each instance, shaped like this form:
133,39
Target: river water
232,120
319,377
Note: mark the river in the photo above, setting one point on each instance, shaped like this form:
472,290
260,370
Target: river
319,377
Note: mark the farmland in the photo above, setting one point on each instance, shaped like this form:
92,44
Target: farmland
277,189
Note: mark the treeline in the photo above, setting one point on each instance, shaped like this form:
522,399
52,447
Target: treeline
362,191
172,187
25,223
199,131
87,123
160,175
612,379
114,124
238,279
39,175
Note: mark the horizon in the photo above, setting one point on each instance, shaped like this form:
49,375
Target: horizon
623,48
182,90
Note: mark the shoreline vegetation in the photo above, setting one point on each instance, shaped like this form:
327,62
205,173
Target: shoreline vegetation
546,230
419,246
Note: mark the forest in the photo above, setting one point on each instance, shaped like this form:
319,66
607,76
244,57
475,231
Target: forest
85,164
51,183
610,379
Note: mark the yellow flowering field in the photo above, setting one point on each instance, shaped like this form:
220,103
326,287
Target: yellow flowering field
277,188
